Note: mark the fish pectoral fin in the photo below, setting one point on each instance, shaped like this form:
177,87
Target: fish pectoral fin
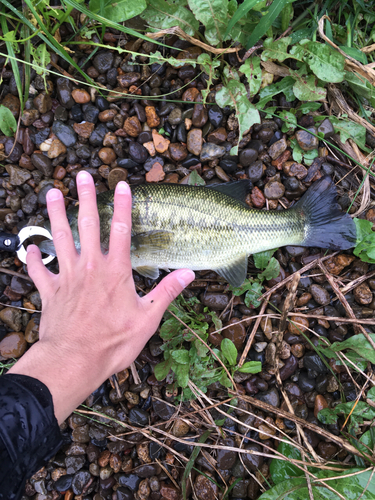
148,272
234,273
236,189
153,241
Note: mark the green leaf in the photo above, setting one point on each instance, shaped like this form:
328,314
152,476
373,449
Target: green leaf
190,464
266,22
251,367
162,15
307,107
224,380
252,296
290,122
213,14
234,95
41,58
229,351
195,179
359,344
162,369
182,373
349,129
272,270
296,150
361,86
355,53
327,416
306,89
371,394
325,62
365,244
253,72
262,259
181,356
8,124
268,93
241,12
281,470
309,156
276,50
353,484
118,10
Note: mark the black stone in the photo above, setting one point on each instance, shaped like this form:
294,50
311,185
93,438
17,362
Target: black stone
98,134
103,61
131,481
80,480
138,417
137,152
126,163
63,483
215,115
305,383
64,133
90,113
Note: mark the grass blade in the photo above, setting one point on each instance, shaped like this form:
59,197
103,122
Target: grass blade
240,13
10,51
190,464
266,22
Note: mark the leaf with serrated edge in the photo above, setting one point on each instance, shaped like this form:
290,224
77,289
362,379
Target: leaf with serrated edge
276,50
349,129
162,15
213,14
325,62
234,95
253,72
305,88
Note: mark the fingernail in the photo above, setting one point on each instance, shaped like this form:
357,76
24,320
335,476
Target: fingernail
186,277
122,187
83,177
53,194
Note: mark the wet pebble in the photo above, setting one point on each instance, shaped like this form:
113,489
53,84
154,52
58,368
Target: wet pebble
253,462
65,133
103,61
137,152
274,190
320,295
13,345
194,141
271,397
289,367
320,404
307,141
248,156
205,489
277,148
363,294
211,151
214,301
163,410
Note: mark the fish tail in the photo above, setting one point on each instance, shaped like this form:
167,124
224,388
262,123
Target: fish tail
326,225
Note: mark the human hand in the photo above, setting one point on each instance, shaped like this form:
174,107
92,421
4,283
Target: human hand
93,323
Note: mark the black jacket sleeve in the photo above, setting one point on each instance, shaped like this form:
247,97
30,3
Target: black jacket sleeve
29,433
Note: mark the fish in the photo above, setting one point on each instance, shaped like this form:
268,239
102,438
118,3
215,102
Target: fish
178,226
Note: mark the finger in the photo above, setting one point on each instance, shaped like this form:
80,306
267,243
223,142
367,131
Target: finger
88,217
119,243
42,277
62,235
167,290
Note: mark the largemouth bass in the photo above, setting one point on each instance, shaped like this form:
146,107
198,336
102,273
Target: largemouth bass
177,226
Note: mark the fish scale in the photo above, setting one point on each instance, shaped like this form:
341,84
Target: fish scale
179,226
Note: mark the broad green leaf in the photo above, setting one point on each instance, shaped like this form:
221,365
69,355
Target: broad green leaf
251,367
268,93
162,369
355,53
118,10
323,60
182,373
307,107
266,22
361,86
327,416
359,344
354,483
229,351
365,243
349,129
234,95
262,259
281,470
195,179
213,14
162,15
371,394
272,270
252,296
181,356
241,12
305,88
309,156
8,124
297,151
224,380
253,72
276,50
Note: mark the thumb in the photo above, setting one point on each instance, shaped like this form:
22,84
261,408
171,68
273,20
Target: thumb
168,289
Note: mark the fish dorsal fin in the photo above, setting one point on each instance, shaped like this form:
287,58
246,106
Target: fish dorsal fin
153,241
148,272
237,189
235,272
